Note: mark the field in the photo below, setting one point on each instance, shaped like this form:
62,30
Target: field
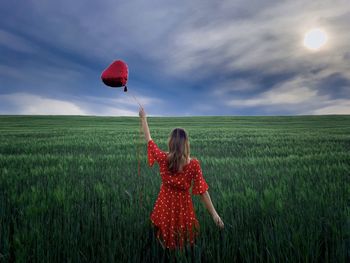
70,189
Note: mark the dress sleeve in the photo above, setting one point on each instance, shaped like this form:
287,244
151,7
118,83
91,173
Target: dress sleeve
154,153
200,186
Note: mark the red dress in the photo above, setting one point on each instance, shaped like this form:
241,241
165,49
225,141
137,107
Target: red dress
173,212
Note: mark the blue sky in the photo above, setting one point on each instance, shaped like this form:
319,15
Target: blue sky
185,58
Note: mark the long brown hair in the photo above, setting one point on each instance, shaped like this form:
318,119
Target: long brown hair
179,149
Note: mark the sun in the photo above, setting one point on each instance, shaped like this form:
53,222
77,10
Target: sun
315,39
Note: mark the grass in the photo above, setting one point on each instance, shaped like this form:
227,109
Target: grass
70,190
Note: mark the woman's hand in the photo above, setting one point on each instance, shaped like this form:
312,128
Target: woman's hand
209,205
218,221
144,124
142,113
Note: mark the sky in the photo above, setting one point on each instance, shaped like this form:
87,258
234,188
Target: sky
185,58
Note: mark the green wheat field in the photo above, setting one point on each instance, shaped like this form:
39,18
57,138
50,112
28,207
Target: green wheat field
70,189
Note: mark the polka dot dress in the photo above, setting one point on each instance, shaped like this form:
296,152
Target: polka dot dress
173,213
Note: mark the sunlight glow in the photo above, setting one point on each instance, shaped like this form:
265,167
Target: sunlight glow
315,39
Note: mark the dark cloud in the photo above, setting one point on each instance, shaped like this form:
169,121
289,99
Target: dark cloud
185,57
336,85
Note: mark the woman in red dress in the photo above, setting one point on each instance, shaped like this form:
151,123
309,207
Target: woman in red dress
173,215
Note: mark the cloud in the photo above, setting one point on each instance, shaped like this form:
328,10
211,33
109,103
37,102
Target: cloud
301,95
270,40
292,92
340,106
15,43
30,104
249,56
264,53
235,86
126,99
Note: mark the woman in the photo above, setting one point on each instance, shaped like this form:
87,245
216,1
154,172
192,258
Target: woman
173,216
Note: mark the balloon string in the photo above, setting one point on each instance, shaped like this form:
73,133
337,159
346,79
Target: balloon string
135,99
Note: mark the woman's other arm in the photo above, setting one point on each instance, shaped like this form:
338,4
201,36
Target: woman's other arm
205,197
145,127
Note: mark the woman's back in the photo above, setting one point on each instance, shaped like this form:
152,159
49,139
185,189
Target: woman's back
183,179
173,211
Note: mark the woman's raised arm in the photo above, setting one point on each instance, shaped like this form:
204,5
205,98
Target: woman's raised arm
145,127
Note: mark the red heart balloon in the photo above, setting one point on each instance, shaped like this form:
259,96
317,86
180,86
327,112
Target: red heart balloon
116,75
